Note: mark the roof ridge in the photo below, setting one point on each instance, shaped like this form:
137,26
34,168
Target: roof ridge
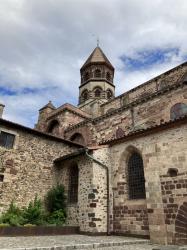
91,56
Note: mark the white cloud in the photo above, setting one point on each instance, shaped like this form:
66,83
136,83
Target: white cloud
43,44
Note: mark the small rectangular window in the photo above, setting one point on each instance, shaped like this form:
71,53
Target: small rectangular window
1,177
6,139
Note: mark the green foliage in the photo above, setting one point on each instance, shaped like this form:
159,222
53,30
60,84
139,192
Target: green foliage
56,199
13,216
58,217
34,213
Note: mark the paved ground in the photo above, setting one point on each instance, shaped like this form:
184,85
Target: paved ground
80,242
74,242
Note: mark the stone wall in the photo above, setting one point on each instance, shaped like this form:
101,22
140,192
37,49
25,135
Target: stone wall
27,169
144,114
158,83
165,196
174,196
90,212
141,107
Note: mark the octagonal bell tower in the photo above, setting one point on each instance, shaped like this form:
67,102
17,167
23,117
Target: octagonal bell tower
97,76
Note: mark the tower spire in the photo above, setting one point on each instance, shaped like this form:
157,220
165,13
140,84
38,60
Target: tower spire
97,75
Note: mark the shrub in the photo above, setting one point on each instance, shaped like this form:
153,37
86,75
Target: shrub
58,217
34,213
56,199
13,216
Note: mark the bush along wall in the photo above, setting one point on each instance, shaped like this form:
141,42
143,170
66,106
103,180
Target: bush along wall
50,212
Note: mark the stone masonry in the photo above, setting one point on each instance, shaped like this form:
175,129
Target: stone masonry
27,169
123,159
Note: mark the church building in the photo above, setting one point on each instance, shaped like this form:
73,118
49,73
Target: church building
122,159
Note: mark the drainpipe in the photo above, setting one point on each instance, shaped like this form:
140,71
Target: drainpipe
108,190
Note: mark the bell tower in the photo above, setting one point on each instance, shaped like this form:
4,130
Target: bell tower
97,76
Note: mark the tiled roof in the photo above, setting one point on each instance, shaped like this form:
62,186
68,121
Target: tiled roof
148,130
97,56
7,123
48,105
71,108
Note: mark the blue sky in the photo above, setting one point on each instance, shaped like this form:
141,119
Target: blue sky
146,59
44,43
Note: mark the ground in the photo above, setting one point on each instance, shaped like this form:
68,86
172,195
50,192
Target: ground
80,242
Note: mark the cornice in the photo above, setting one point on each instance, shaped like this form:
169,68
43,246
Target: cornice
130,105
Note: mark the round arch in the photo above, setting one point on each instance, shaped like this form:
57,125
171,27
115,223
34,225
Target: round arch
109,93
53,127
97,91
78,137
181,225
85,95
178,110
123,168
127,153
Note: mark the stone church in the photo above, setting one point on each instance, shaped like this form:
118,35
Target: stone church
122,160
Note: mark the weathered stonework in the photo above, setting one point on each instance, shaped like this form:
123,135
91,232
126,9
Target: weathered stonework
148,121
90,211
28,168
162,193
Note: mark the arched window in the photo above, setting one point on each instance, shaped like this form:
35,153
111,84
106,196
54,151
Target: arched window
97,73
178,110
85,95
73,184
53,127
136,179
86,76
77,137
108,76
97,92
109,94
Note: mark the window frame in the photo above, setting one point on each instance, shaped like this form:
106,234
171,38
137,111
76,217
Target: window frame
52,126
85,92
73,188
98,90
135,184
97,73
108,76
109,94
9,132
